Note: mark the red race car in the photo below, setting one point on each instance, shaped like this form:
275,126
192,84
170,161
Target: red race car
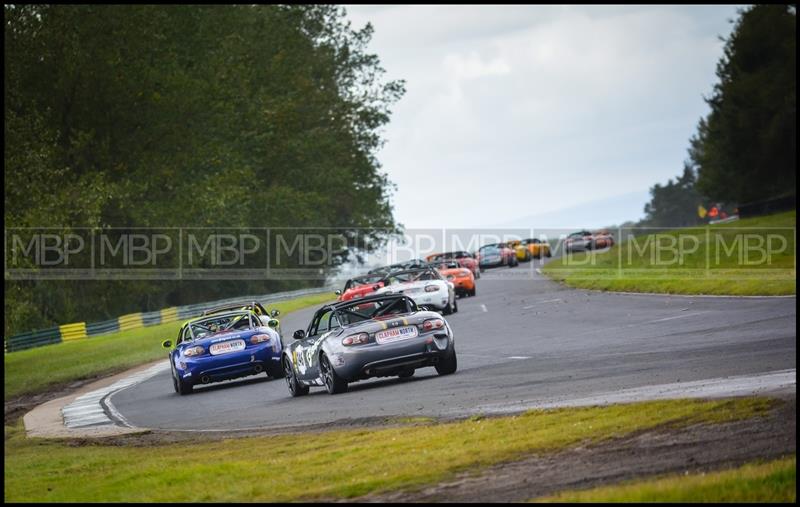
360,286
464,259
602,239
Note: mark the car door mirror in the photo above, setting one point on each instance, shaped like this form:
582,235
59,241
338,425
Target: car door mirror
275,313
299,334
338,292
166,344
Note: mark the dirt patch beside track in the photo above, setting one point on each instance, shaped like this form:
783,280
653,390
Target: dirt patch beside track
697,448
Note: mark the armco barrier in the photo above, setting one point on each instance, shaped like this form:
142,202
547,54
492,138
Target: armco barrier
104,327
130,321
33,339
169,314
73,331
81,330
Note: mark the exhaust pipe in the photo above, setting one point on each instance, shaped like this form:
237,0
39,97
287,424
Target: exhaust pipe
205,379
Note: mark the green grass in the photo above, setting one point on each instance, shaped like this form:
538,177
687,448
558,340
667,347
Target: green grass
774,481
36,370
723,259
327,465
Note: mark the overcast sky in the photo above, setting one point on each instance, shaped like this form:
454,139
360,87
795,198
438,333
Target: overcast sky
515,114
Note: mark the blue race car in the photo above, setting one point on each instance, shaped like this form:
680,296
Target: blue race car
223,344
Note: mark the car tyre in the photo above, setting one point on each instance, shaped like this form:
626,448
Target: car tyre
406,373
448,309
333,382
274,370
295,387
448,364
182,387
472,292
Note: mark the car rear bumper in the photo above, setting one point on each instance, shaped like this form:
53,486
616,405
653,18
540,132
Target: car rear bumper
462,286
388,359
439,299
492,263
206,369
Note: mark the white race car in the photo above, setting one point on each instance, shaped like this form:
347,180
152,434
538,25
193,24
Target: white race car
425,286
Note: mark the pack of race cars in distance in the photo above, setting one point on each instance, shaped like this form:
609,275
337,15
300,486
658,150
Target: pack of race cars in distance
387,322
586,240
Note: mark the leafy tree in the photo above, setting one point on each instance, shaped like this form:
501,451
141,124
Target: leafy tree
182,116
746,148
674,204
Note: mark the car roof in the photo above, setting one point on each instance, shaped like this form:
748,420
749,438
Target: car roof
366,299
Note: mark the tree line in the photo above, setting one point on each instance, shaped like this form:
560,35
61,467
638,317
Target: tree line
745,148
187,116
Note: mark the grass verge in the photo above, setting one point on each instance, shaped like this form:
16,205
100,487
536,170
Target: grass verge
752,257
36,370
774,481
327,465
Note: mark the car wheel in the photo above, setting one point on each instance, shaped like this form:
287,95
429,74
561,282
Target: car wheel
295,387
274,370
448,364
472,292
406,373
174,376
333,382
448,309
183,387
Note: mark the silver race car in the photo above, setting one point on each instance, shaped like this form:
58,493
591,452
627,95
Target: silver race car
375,336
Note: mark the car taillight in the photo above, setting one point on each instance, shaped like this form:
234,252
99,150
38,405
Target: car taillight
356,339
194,351
432,324
432,288
259,338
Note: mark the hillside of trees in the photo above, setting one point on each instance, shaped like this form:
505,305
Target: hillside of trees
186,116
745,148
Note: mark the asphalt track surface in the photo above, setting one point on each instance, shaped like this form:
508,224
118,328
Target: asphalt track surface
522,340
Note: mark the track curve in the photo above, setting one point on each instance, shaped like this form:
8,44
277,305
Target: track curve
522,341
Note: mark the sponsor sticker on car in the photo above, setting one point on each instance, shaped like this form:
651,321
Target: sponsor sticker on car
396,334
225,347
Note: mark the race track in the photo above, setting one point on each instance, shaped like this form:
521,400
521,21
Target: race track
523,341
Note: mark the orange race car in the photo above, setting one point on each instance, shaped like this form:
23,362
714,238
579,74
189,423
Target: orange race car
462,278
463,258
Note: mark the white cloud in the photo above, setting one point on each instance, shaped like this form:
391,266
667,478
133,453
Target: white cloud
517,111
